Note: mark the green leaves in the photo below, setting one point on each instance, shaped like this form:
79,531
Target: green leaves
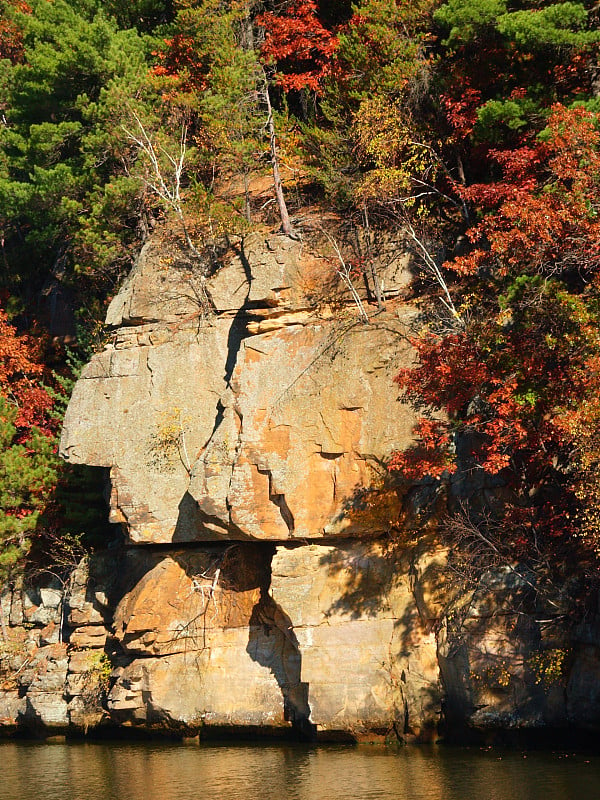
28,471
380,50
517,60
65,171
468,19
514,114
555,25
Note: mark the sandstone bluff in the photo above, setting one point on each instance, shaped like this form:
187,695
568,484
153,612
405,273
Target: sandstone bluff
256,590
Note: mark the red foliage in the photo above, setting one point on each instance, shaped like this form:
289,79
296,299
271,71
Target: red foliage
508,387
179,61
11,36
448,371
16,356
547,203
34,405
461,111
571,77
299,44
20,373
430,457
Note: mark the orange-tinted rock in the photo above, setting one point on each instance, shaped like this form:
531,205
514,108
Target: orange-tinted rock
215,429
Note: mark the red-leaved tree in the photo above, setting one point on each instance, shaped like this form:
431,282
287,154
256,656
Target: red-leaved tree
299,45
507,392
29,466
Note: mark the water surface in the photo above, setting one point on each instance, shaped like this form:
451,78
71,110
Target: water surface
159,771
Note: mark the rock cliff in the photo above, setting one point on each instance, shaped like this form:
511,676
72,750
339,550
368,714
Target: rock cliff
258,588
260,422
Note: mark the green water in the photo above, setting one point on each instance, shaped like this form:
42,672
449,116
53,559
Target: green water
151,771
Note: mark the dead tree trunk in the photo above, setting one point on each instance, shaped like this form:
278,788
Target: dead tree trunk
286,225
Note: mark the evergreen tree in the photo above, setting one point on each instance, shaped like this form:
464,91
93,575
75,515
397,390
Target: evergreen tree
69,203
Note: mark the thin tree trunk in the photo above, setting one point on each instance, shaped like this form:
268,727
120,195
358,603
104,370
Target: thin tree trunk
3,624
286,225
463,180
374,275
247,31
247,207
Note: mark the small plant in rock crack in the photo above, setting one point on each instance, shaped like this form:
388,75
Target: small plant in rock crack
95,680
167,444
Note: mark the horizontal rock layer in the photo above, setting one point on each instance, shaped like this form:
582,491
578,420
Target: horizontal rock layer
214,432
359,639
269,594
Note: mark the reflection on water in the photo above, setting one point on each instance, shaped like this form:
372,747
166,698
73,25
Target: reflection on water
90,771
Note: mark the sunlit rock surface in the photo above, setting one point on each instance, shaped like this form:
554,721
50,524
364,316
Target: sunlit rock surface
259,589
213,429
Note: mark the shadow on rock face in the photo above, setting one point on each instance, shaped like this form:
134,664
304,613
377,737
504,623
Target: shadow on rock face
196,526
273,644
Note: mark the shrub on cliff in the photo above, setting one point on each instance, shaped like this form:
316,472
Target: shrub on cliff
29,465
516,376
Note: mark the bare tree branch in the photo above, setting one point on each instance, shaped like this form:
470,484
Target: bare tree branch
168,188
344,273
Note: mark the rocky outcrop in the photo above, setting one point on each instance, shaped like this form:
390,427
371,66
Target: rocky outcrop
53,664
259,588
244,436
251,636
353,640
321,640
213,431
511,658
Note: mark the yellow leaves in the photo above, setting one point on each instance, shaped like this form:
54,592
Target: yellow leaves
497,676
548,666
380,131
386,182
397,165
166,446
505,317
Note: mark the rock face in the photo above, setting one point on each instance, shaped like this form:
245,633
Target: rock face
254,433
258,589
213,432
53,664
271,639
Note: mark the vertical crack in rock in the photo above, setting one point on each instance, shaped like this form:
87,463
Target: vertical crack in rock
237,333
219,416
218,420
239,327
334,479
238,445
272,642
284,510
278,499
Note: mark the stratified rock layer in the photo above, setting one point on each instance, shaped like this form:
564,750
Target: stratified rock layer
259,589
212,432
352,640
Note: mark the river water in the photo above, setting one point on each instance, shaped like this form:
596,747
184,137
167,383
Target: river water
159,771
